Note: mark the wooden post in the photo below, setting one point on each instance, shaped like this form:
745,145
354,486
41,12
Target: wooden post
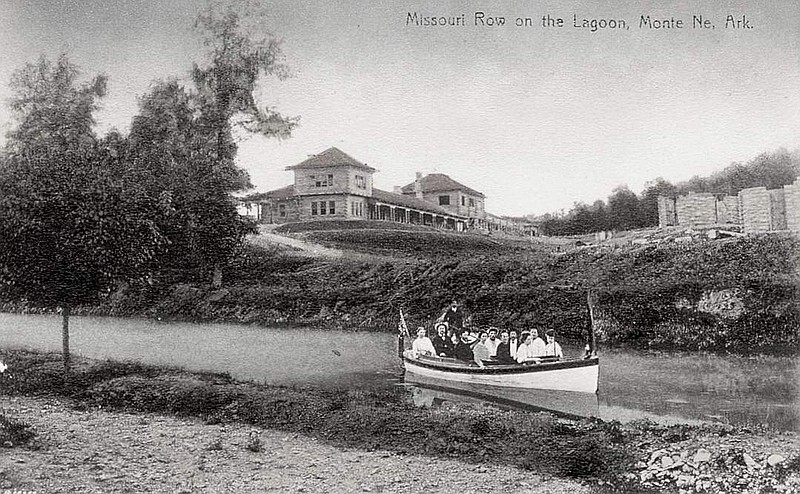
65,337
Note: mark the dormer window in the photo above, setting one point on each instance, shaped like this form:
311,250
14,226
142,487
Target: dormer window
321,180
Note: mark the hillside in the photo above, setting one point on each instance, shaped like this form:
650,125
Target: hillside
730,294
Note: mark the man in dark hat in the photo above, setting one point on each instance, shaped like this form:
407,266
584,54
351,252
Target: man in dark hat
453,316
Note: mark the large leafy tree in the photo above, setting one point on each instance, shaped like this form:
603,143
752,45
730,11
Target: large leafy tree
624,210
185,137
74,224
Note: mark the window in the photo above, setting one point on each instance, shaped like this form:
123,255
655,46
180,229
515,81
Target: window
361,209
361,182
332,207
322,207
326,181
471,202
444,200
463,199
313,209
282,210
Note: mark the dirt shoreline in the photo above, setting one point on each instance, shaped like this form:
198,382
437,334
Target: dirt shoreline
102,451
110,426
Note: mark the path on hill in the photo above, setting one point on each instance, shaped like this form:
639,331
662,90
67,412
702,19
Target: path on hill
267,238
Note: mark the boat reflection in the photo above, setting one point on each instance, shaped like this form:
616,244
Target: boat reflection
428,392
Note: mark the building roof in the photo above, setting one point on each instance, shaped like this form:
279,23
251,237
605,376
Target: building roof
436,182
278,194
408,202
330,157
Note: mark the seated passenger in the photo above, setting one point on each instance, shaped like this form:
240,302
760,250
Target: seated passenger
552,348
525,352
454,339
422,344
441,342
463,349
513,343
480,352
538,343
492,342
504,349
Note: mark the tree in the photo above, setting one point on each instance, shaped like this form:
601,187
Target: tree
185,137
623,209
73,228
649,201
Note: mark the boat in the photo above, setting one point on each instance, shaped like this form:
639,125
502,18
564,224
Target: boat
578,375
546,373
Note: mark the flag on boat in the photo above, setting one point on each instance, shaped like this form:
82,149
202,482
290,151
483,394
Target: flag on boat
402,327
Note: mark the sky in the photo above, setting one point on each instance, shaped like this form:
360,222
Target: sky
535,118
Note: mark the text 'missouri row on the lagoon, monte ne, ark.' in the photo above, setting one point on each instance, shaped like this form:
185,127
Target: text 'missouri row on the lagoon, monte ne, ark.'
575,21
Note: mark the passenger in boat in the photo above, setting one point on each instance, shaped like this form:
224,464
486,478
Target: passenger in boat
525,352
504,349
513,343
552,348
492,342
454,339
480,352
538,343
422,345
441,342
463,349
453,315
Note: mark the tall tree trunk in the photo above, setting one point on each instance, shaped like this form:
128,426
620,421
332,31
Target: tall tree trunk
65,336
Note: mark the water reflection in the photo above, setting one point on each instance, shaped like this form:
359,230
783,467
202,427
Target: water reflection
427,392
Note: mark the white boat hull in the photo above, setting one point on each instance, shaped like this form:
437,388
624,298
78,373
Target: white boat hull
579,376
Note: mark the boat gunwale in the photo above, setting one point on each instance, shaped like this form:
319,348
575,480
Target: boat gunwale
464,368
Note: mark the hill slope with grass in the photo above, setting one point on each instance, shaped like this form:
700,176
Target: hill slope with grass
737,294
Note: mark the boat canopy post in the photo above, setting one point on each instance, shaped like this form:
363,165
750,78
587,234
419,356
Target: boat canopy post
590,299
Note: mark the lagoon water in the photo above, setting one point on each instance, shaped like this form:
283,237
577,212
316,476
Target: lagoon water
668,387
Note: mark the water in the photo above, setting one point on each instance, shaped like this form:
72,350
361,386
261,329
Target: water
668,387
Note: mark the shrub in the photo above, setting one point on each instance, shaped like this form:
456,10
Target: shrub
14,432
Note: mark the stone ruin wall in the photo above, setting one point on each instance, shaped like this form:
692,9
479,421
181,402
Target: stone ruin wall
666,211
792,200
757,209
696,209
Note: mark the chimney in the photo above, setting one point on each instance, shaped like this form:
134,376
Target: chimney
418,186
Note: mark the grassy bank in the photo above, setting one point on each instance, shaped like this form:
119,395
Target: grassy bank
731,295
736,294
626,458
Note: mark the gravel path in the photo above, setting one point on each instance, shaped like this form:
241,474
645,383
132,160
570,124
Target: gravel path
102,451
